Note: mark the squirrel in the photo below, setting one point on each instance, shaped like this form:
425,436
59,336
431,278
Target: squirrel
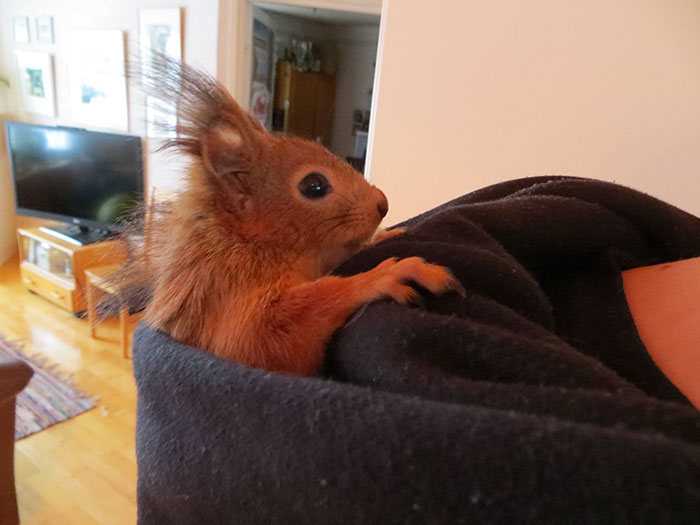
239,264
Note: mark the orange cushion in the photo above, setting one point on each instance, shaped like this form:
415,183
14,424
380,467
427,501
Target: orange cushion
665,303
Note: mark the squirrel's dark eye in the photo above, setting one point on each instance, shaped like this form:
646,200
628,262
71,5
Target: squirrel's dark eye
314,186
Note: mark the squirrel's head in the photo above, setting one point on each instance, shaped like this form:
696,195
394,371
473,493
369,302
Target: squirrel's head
268,188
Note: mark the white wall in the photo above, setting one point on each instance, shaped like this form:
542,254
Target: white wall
7,212
200,20
7,203
199,36
472,92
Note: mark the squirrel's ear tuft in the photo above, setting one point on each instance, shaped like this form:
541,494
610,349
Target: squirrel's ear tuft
226,149
208,119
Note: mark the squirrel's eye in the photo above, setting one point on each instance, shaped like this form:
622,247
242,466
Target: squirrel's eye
314,186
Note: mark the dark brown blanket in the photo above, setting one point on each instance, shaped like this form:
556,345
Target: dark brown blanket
533,400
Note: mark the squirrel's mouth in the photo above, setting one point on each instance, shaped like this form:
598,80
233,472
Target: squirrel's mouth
355,245
361,240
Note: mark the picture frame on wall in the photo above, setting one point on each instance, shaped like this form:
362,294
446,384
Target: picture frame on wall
21,27
97,79
44,29
160,34
36,79
160,30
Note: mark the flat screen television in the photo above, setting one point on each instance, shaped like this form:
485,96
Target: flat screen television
87,179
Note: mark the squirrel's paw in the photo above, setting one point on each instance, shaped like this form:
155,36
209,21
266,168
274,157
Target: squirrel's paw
437,279
399,292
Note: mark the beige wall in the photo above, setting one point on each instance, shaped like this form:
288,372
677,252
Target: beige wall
7,215
200,18
472,92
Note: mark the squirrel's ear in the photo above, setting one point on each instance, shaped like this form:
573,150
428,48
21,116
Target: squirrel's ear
227,148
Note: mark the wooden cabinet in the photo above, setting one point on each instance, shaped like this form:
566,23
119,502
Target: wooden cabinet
303,103
55,269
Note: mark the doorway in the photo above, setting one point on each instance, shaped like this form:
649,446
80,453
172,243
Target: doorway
312,74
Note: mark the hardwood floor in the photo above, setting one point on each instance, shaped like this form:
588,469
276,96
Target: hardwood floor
83,470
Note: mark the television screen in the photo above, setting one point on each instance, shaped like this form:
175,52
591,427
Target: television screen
71,174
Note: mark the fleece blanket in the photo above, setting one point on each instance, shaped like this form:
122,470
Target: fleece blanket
532,400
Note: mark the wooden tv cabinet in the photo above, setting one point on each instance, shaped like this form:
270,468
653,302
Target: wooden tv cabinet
55,269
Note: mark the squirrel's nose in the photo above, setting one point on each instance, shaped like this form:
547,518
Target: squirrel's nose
382,206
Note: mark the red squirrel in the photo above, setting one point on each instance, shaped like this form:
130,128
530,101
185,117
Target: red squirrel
239,264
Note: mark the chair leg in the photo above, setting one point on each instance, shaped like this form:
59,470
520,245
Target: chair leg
124,330
91,312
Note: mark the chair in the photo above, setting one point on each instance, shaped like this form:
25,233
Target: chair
96,283
97,277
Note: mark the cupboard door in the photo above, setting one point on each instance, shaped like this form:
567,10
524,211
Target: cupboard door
325,102
301,120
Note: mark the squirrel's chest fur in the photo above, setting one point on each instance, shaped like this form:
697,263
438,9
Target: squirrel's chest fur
250,327
226,300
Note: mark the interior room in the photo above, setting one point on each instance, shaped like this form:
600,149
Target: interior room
335,50
469,294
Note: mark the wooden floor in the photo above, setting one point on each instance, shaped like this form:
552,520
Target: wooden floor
83,470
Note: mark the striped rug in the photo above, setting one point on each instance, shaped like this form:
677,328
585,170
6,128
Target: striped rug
49,398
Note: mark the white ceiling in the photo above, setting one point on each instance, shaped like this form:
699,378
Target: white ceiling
325,16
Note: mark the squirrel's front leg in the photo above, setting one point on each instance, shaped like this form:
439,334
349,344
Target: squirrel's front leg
307,314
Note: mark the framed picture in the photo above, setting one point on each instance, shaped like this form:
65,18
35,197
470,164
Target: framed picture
160,31
37,82
96,78
44,29
21,24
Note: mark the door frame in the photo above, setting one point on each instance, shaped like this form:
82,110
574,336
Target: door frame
235,38
235,54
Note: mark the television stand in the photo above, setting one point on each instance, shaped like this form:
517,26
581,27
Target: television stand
77,235
55,269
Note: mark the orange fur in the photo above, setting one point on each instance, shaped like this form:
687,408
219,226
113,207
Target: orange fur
238,265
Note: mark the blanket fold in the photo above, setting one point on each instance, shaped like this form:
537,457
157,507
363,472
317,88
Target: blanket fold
532,400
